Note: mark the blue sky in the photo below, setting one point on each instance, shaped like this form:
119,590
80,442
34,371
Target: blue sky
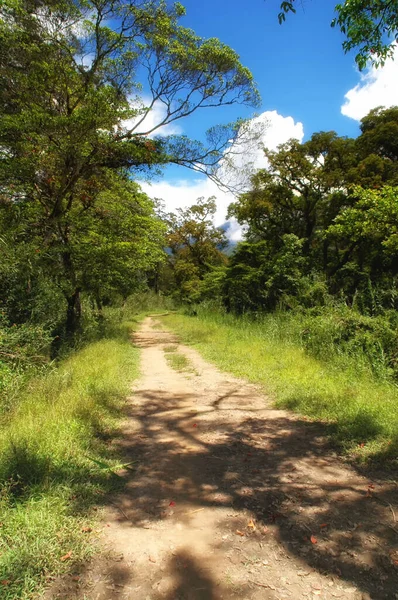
302,74
299,66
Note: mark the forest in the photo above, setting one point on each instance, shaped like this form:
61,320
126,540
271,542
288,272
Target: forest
85,252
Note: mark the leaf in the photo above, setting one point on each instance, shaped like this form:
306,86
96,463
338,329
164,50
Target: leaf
251,525
323,525
240,533
104,466
5,581
66,556
86,529
313,540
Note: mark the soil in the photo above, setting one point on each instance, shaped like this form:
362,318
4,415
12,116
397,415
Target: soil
230,498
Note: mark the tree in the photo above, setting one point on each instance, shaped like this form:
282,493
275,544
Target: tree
71,113
308,198
195,246
112,246
298,192
368,26
260,277
367,233
379,139
116,245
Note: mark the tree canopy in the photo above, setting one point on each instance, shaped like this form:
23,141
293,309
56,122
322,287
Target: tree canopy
323,210
195,247
79,85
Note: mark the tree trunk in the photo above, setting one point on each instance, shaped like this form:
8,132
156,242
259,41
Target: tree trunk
74,312
98,302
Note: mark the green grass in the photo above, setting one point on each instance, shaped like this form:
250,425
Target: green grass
360,409
177,360
56,462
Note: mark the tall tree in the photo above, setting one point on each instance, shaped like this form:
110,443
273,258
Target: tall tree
305,213
195,246
300,189
70,78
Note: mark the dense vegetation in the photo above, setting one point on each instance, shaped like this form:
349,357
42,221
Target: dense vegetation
81,83
312,287
56,464
307,304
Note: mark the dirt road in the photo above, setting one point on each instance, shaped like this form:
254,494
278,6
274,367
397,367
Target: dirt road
231,498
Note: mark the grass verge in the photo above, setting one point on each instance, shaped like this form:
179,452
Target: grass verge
360,409
57,462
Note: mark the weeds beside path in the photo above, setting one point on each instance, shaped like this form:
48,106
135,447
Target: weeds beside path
56,463
232,499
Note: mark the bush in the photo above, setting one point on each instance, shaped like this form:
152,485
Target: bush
342,331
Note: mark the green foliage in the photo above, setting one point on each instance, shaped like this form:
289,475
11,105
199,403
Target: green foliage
73,133
195,246
261,277
50,448
341,235
368,26
372,221
213,283
24,352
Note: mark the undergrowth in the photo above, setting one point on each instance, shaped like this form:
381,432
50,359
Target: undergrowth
334,384
56,461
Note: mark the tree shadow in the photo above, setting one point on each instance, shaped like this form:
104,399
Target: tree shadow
191,582
279,468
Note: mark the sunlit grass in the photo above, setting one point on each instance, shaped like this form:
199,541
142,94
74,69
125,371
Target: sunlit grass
177,360
361,409
52,446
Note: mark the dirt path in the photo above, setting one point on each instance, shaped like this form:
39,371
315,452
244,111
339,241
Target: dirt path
233,499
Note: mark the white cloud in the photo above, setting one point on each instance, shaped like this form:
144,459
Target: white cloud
377,87
153,118
268,130
85,60
184,193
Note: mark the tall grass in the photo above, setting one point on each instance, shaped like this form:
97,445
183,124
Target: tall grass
56,461
339,387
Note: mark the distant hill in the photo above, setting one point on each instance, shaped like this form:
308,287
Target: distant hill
229,249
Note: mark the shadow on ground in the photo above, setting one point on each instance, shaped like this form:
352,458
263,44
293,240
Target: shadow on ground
262,465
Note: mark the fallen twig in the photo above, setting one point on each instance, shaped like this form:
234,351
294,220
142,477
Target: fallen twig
264,585
121,510
191,512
